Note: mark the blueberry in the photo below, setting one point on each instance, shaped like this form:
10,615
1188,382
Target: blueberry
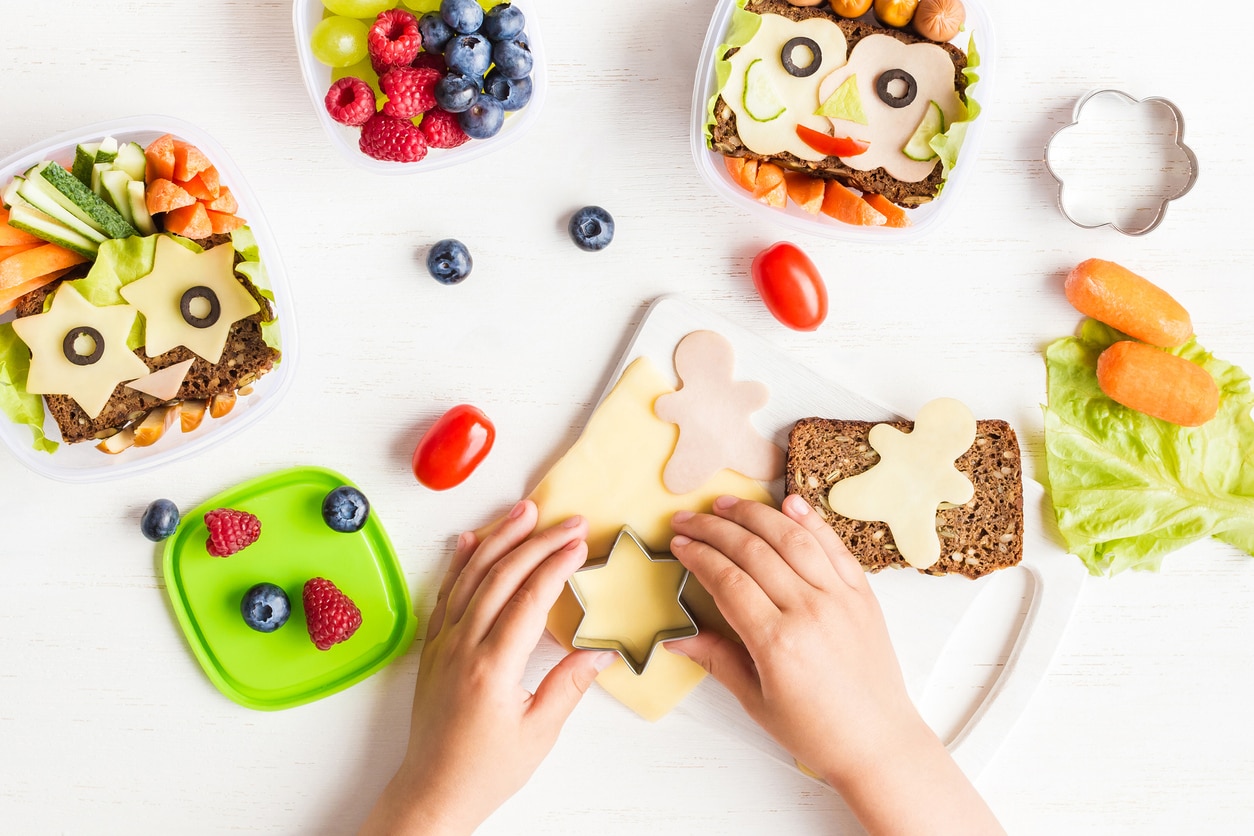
502,22
462,16
435,32
591,228
265,607
512,58
345,509
469,55
483,119
160,520
448,262
456,92
513,94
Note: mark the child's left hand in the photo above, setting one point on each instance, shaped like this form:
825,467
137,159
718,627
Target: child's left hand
476,734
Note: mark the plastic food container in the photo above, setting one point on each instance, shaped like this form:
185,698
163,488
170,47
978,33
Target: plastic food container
305,16
923,219
82,462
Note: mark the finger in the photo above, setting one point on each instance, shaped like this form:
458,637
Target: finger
466,545
503,539
751,553
726,661
795,543
847,566
561,689
507,578
520,621
742,602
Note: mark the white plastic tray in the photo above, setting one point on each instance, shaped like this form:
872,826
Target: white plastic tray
83,462
923,219
305,16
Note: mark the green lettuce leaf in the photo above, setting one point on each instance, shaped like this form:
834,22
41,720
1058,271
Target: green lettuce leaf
740,30
251,268
948,144
20,406
1128,489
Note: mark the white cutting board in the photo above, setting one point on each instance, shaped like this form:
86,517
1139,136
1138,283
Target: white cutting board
923,612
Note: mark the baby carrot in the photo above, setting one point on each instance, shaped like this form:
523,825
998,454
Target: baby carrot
1123,300
897,217
1163,385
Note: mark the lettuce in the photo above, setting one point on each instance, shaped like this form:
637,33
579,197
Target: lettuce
948,144
20,406
251,268
743,26
1127,488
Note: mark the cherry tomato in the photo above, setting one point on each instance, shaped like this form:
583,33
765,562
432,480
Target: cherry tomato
453,447
832,146
791,286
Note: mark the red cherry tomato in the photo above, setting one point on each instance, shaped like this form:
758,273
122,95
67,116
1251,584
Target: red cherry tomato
832,146
453,447
791,286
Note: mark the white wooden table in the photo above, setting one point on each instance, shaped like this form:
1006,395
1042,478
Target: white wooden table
108,725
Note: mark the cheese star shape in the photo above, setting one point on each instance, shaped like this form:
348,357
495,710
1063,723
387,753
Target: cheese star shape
631,602
52,372
159,295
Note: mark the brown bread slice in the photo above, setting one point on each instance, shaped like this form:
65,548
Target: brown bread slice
977,538
726,140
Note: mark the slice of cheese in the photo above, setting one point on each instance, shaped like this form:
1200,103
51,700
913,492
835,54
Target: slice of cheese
613,477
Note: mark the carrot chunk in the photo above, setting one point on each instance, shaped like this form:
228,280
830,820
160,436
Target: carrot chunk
1125,301
805,191
845,205
160,155
189,221
163,195
897,217
1163,385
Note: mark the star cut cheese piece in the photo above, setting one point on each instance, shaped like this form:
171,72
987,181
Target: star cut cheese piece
163,383
159,296
53,373
631,602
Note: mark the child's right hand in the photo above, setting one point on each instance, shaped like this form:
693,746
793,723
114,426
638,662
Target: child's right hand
817,669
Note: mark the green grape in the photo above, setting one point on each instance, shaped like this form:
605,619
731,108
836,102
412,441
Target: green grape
421,7
358,8
339,41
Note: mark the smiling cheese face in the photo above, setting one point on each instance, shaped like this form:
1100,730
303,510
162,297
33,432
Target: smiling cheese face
795,73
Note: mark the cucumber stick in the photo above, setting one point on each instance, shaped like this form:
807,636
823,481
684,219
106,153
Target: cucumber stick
139,208
131,159
84,158
28,218
86,205
34,191
115,194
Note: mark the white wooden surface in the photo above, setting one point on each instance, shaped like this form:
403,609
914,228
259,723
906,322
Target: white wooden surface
107,724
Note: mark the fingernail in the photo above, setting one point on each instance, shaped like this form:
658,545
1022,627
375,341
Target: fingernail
573,522
725,502
679,541
682,516
463,540
604,659
517,510
797,505
571,546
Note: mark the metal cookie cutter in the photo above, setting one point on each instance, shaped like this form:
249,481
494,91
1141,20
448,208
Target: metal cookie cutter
1120,161
605,625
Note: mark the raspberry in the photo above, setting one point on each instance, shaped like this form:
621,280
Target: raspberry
441,129
388,138
394,38
409,91
430,61
350,101
230,531
330,615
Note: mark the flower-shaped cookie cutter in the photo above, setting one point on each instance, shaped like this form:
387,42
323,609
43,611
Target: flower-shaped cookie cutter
1120,164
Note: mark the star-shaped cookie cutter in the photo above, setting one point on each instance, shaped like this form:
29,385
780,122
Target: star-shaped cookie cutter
636,661
1172,152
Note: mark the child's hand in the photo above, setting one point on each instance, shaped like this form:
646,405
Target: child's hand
476,734
817,668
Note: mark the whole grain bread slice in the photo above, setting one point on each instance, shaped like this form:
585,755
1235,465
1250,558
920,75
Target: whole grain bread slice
976,538
725,139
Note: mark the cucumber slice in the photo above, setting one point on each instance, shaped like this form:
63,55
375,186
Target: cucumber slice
131,160
761,100
116,195
919,147
43,197
84,159
139,208
94,184
107,151
31,220
89,207
9,196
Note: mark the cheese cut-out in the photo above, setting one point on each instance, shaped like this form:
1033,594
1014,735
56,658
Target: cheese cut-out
165,383
631,602
58,332
180,276
612,475
712,412
914,475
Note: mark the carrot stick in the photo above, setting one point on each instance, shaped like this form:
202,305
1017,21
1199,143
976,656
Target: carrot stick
845,205
1125,301
34,263
897,217
1163,385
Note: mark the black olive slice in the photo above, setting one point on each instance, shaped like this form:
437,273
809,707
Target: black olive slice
200,292
888,77
816,57
71,353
